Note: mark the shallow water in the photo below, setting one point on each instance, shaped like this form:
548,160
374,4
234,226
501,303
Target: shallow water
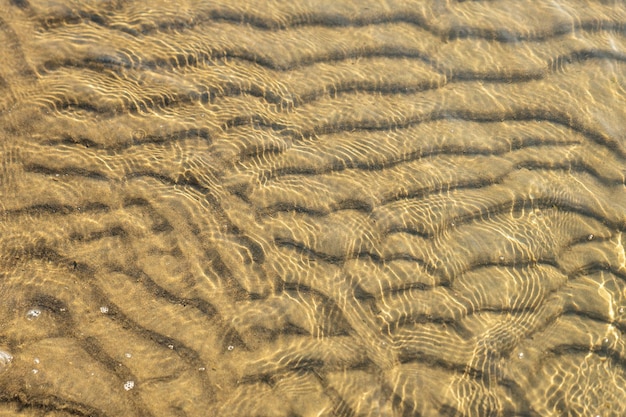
312,208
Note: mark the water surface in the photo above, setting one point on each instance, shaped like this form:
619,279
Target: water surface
312,208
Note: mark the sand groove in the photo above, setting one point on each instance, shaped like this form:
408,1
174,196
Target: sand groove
293,208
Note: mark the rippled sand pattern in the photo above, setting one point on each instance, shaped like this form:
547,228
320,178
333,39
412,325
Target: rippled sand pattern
312,208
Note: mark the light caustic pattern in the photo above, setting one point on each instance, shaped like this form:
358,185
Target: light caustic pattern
312,208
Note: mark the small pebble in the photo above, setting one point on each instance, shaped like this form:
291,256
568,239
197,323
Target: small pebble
33,313
128,385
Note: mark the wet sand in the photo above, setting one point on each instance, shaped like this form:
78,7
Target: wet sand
293,208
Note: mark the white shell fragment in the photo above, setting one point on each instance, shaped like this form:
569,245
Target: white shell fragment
5,358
